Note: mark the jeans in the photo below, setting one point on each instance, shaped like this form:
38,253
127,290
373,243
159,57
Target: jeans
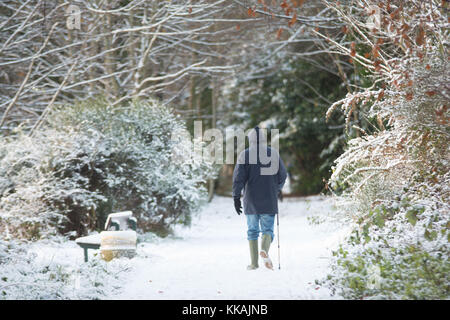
259,223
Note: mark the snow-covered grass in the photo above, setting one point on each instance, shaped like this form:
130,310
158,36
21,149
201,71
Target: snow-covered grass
55,269
206,261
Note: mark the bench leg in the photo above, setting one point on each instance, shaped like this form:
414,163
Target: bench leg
85,254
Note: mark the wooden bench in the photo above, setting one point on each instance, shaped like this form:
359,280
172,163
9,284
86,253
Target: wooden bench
88,242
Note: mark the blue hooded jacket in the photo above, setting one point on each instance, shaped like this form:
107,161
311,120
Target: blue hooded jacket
261,173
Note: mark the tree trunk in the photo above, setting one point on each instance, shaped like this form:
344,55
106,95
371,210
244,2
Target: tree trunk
213,125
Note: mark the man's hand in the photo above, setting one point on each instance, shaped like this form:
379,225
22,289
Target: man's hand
280,196
237,205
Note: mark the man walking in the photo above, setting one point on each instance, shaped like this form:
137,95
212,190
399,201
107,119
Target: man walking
261,173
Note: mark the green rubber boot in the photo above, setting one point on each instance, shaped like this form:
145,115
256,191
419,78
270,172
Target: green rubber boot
253,244
266,240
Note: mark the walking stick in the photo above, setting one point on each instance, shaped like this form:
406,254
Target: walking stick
278,236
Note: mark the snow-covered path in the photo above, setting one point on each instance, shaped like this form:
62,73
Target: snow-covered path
208,260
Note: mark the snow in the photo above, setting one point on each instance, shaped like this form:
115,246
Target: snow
209,259
54,269
94,238
120,217
206,261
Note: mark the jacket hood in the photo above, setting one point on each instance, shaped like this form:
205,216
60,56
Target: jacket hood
253,137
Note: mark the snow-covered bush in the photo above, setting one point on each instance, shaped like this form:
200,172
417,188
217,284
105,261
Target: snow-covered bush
91,159
396,179
25,275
